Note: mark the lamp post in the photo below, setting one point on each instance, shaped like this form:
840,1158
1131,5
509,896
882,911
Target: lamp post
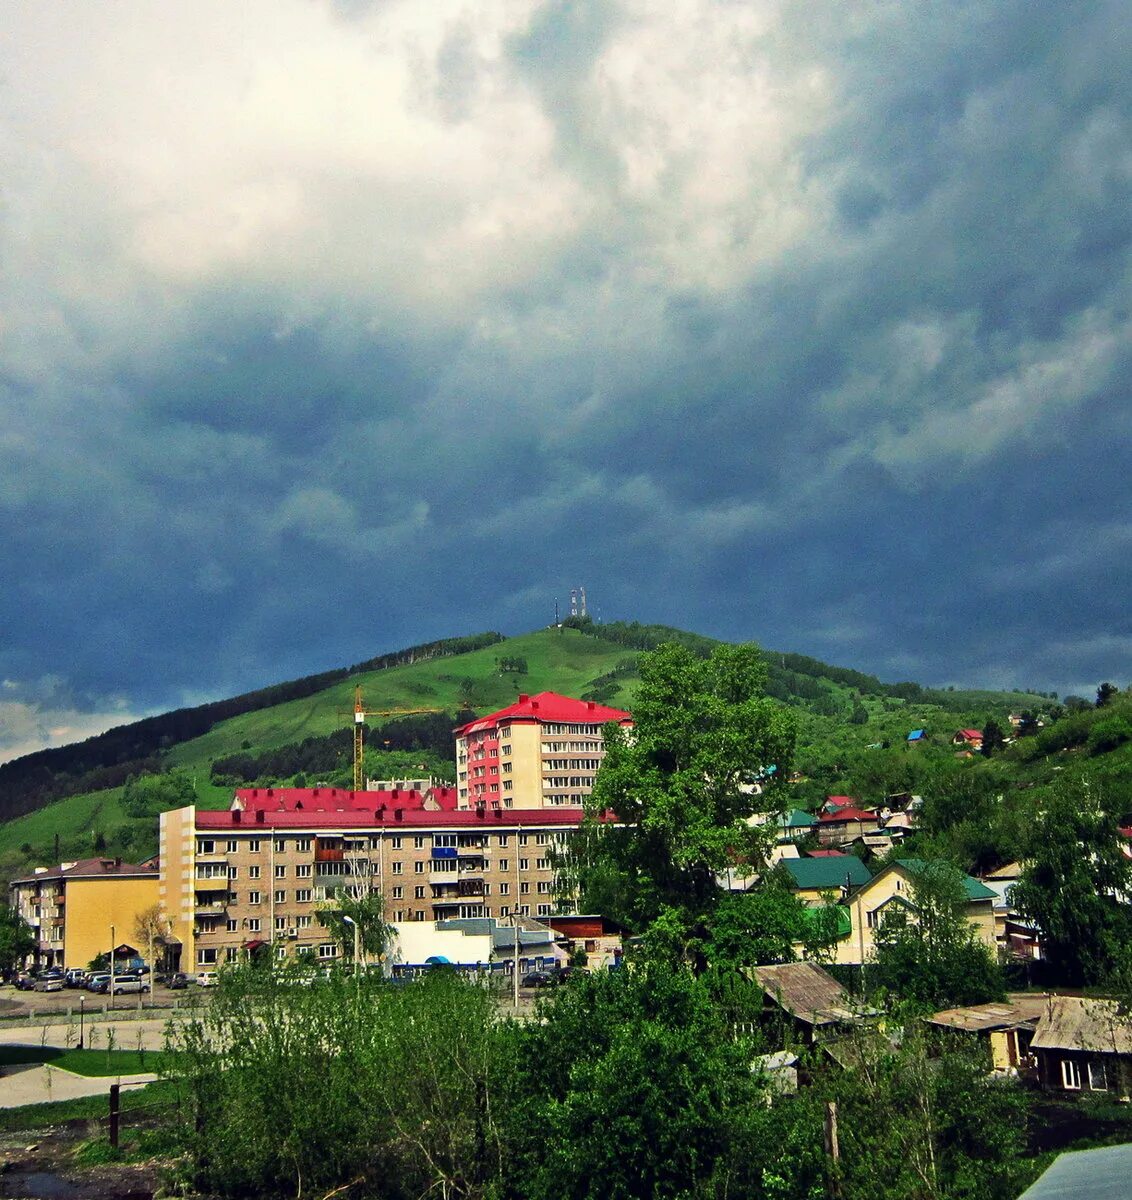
82,1014
111,990
357,944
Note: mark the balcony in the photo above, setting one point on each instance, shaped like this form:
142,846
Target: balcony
217,883
205,907
328,853
469,887
443,877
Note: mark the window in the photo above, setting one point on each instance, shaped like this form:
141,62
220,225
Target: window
540,839
397,842
418,841
507,785
280,924
504,890
444,839
524,864
253,872
253,897
418,893
230,953
281,896
303,896
398,893
503,863
418,867
206,846
303,845
303,871
253,924
396,868
232,926
545,887
872,919
233,872
328,950
206,958
505,911
280,872
1070,1075
399,914
522,839
232,846
1097,1079
280,845
503,839
543,864
544,910
524,889
303,922
253,846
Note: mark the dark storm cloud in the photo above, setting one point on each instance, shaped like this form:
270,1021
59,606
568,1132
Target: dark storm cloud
810,326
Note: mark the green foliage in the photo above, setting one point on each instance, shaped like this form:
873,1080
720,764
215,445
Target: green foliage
927,952
148,795
1108,734
366,912
1106,693
513,664
993,737
681,784
1075,882
17,939
637,1078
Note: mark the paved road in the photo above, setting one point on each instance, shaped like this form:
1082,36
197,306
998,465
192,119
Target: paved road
44,1083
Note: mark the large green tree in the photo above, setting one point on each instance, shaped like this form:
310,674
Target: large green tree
928,952
17,940
693,788
1076,882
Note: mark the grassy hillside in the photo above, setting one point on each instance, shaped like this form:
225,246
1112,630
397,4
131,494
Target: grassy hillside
594,661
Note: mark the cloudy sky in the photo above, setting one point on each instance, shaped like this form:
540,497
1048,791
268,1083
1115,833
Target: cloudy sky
326,328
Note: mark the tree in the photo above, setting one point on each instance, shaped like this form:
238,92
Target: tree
1074,883
708,753
151,925
1029,724
992,737
1105,694
367,911
147,795
928,952
17,939
859,715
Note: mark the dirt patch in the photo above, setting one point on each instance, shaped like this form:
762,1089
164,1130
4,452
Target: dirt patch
41,1165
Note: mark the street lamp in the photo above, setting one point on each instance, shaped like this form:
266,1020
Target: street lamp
82,1014
357,943
112,939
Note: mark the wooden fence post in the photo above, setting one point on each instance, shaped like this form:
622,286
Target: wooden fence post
115,1111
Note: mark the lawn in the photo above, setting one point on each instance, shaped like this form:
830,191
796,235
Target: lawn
88,1108
92,1063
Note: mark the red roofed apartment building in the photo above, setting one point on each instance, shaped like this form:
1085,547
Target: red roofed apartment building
260,870
540,752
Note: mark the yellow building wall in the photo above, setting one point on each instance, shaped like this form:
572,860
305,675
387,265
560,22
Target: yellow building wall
96,904
526,766
178,869
859,946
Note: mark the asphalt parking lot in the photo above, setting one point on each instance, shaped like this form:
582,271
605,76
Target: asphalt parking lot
16,1004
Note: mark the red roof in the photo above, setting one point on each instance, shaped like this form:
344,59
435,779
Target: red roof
971,735
340,799
385,817
548,706
826,853
87,868
847,814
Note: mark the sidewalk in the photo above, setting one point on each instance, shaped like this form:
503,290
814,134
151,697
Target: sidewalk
44,1083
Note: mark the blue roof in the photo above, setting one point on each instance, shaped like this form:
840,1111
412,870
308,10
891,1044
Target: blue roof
917,735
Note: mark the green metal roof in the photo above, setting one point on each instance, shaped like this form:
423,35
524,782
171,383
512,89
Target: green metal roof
827,873
798,819
974,889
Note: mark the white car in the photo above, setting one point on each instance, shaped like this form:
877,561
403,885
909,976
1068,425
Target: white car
206,979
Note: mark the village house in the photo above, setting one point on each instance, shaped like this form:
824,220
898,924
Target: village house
971,738
1007,1027
814,878
814,1003
1084,1045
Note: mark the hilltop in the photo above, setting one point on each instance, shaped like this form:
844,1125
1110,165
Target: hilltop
77,794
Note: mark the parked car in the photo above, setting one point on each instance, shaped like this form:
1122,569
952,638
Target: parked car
74,978
178,981
206,979
98,982
538,979
25,981
129,985
49,983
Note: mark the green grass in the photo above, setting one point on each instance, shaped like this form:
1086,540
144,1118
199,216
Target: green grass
88,1108
92,1063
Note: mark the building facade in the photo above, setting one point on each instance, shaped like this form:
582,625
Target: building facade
263,870
540,752
76,908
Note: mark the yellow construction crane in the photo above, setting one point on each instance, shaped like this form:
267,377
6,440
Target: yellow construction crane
360,714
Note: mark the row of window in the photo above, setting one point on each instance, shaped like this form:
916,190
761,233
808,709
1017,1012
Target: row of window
469,910
210,956
208,846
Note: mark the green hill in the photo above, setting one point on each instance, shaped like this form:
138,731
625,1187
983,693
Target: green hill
273,734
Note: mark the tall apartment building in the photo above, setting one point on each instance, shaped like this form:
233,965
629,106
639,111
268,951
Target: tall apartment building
260,871
540,752
76,907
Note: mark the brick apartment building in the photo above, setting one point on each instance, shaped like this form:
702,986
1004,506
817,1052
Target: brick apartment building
540,752
259,871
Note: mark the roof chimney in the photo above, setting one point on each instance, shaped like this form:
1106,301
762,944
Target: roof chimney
259,817
236,814
523,698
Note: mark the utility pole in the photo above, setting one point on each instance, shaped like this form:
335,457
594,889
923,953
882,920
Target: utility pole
112,939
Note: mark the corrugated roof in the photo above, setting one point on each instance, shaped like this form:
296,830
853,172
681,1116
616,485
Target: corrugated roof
806,992
1083,1023
1100,1174
359,818
974,889
548,706
92,868
1019,1008
827,873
